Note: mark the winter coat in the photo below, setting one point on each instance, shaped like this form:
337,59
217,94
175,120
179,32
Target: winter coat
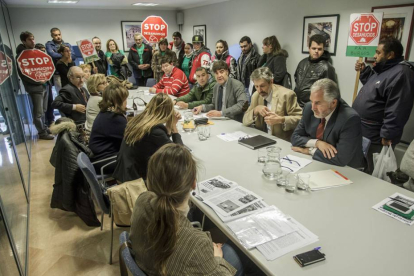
198,95
385,101
30,85
101,64
246,68
119,64
71,191
231,63
181,54
309,71
134,61
156,63
276,64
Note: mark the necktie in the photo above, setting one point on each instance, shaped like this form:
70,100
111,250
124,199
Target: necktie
83,94
320,129
220,98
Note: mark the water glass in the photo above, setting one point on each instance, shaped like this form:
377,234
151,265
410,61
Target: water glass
262,155
188,125
272,169
291,183
282,179
303,182
203,132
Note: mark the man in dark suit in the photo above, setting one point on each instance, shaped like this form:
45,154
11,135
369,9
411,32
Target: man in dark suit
330,130
73,97
229,98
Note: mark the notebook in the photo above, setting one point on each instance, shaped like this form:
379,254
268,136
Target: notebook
257,142
327,179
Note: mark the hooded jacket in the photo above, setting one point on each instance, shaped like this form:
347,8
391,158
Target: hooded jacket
276,64
231,63
202,58
309,71
246,68
30,85
71,192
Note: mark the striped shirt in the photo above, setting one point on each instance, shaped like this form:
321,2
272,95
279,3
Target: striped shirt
175,84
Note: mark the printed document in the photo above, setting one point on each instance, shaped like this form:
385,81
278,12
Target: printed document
408,201
293,163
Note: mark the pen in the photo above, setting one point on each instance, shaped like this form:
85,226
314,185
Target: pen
317,248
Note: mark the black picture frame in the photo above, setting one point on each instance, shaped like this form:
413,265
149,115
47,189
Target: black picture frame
201,30
129,28
327,25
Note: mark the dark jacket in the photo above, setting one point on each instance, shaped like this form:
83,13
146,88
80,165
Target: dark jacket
133,60
30,85
246,68
71,192
68,96
63,70
107,134
133,159
276,64
343,131
101,64
180,54
198,95
309,71
52,50
385,101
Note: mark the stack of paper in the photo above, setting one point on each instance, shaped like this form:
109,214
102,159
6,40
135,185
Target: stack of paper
327,179
235,136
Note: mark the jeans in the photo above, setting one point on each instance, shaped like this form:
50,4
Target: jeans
230,255
246,90
39,100
141,81
50,116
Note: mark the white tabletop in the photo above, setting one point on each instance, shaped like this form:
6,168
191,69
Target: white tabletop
356,239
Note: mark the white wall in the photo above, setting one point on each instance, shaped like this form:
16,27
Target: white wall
283,18
76,24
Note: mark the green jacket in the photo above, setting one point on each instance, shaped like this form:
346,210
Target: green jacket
198,96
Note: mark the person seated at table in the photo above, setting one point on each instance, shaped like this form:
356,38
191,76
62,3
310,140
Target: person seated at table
109,126
201,93
330,130
162,237
72,98
163,51
274,109
229,98
144,135
96,85
86,68
173,82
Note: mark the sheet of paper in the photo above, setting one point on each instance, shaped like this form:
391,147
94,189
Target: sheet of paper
293,163
327,179
214,186
232,200
235,136
288,243
246,211
261,227
407,200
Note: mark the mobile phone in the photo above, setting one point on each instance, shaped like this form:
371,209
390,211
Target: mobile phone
309,258
399,206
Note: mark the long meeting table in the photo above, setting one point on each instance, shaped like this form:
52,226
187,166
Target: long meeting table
356,239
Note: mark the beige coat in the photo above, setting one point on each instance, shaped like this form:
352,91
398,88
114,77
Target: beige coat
284,103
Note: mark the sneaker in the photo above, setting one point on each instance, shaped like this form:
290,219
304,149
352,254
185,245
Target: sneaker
46,137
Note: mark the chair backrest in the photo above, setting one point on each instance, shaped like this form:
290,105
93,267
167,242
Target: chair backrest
366,143
126,260
150,82
89,172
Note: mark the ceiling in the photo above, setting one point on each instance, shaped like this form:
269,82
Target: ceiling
116,4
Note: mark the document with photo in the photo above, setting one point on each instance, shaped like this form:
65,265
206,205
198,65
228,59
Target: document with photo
214,186
234,136
403,201
246,211
232,200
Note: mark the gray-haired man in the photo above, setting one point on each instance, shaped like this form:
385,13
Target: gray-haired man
330,130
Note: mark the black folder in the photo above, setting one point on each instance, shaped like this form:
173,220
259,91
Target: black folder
257,142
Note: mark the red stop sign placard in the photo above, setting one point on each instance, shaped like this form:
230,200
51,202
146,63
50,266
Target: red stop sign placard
365,29
86,47
36,65
5,67
153,28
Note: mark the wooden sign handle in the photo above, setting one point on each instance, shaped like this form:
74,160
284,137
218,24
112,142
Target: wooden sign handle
93,64
357,81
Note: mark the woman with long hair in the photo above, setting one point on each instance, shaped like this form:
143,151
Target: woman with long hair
188,56
109,126
222,53
96,85
274,58
144,135
116,59
63,64
163,239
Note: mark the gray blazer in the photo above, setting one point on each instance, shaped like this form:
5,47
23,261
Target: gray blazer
236,100
343,131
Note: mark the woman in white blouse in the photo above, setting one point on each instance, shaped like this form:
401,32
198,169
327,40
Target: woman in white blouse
96,85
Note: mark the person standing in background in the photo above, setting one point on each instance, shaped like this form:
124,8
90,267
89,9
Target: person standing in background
140,57
101,66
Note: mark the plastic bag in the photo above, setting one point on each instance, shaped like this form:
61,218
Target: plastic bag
384,162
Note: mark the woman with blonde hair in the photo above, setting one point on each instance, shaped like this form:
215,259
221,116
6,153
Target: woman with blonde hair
144,135
162,237
274,58
109,126
96,85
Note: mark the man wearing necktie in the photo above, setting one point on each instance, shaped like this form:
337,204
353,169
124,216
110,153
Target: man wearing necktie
73,97
330,130
229,99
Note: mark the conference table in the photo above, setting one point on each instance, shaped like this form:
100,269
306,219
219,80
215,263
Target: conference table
356,239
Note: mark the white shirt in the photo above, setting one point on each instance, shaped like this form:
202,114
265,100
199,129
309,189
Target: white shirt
312,142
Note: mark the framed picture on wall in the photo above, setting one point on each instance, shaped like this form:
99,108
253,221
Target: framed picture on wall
325,25
201,30
129,28
398,23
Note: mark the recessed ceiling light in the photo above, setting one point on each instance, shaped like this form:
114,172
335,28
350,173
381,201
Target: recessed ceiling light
145,4
62,1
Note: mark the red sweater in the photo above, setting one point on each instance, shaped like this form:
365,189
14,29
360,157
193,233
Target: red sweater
175,84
